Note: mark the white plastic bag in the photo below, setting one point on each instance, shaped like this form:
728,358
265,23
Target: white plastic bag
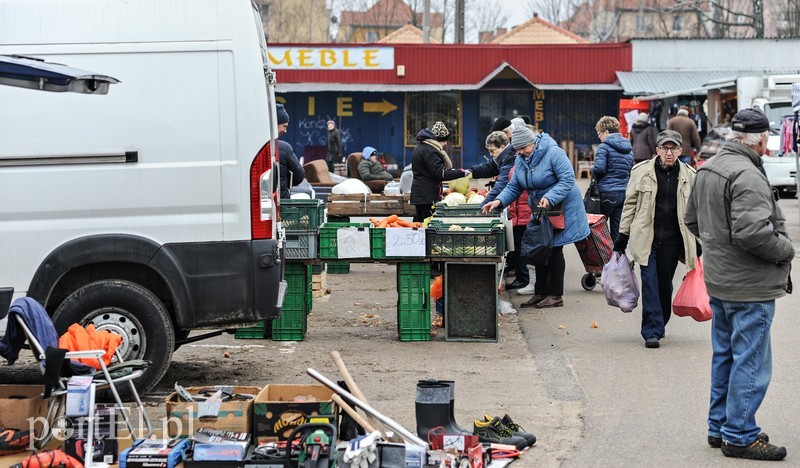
351,186
619,283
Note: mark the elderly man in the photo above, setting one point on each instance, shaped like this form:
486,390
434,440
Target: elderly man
747,261
684,125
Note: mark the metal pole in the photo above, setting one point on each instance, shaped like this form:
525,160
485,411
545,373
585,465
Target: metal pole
426,22
459,23
390,423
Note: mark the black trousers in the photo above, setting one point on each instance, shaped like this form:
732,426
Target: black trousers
515,261
550,276
423,212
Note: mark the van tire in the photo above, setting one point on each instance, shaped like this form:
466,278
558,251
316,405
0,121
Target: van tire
132,311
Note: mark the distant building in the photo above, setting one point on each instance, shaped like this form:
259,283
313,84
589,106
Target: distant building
408,34
382,19
295,20
538,31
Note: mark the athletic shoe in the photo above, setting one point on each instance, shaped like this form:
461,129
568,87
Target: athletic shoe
495,432
758,450
716,442
13,441
529,289
518,431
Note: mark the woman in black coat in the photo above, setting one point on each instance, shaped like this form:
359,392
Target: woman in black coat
431,165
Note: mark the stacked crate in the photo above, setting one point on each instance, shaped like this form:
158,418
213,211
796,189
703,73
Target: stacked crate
413,301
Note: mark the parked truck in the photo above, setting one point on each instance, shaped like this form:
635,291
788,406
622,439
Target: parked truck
772,94
149,211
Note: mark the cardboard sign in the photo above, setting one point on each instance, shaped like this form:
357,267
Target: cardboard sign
353,242
405,242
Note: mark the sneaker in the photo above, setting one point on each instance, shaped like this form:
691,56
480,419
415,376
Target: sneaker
652,343
716,442
13,441
495,432
758,450
529,289
518,431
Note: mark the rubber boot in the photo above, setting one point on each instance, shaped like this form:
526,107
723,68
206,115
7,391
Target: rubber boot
453,422
433,409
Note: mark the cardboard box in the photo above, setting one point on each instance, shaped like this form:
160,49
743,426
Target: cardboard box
18,403
186,417
276,413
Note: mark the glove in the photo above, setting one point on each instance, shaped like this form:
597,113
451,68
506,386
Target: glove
699,248
362,450
621,243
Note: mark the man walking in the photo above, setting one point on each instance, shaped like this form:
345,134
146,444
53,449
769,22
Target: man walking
335,150
684,125
747,261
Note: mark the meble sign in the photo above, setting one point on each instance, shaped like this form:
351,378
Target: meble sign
339,58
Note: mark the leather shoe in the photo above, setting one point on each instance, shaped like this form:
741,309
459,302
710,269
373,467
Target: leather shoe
533,301
550,301
515,285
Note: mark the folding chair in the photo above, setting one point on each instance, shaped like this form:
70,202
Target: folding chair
102,379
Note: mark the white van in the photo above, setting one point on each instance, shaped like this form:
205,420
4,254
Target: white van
149,211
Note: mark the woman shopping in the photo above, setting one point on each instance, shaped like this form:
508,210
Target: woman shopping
543,169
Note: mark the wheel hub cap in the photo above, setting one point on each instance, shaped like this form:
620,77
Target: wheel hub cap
115,321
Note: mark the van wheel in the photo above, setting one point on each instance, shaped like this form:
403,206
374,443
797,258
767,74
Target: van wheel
131,311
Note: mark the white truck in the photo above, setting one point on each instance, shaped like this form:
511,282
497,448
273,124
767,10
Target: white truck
772,94
149,211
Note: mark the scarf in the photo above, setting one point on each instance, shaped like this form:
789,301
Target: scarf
445,158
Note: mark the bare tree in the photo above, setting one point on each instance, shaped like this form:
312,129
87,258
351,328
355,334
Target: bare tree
553,11
725,15
484,16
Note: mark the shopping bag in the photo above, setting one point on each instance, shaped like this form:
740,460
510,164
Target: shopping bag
692,299
591,199
619,283
538,239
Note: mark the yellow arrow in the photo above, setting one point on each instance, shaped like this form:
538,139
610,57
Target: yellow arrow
384,107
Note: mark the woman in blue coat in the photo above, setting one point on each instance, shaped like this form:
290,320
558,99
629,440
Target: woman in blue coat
543,169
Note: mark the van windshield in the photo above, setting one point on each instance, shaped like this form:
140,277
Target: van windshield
775,111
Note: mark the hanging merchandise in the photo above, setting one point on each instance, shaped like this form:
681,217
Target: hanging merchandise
787,136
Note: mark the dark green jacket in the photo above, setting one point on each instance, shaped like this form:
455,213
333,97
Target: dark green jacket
746,252
369,170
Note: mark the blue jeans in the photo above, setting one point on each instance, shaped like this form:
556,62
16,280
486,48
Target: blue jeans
741,368
657,288
611,205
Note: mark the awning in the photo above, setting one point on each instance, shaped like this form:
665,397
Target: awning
648,83
34,73
716,84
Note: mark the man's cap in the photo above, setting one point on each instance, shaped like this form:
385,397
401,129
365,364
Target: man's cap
330,122
283,116
750,121
501,124
669,136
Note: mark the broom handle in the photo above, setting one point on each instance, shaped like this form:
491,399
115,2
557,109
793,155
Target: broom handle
353,413
351,384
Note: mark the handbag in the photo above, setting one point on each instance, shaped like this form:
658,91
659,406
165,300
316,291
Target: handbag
692,299
619,283
591,199
555,214
537,242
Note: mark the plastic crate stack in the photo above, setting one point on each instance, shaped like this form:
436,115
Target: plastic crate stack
413,301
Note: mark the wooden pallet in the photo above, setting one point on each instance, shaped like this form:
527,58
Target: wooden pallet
369,205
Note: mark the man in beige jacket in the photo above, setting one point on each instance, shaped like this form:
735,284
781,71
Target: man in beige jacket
652,228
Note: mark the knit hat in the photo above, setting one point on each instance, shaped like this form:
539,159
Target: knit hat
501,124
518,122
283,116
525,118
522,137
683,111
669,136
367,152
643,117
440,131
750,121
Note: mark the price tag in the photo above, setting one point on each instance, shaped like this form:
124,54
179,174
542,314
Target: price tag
353,242
405,242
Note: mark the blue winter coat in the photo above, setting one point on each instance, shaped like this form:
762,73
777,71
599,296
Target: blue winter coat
612,164
548,173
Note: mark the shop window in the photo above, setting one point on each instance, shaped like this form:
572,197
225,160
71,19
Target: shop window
425,109
372,36
677,24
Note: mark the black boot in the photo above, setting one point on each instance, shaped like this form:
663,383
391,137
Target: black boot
453,423
348,428
433,409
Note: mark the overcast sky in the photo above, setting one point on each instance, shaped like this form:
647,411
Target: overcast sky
516,11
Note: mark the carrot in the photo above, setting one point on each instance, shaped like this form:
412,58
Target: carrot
374,221
382,224
391,218
404,223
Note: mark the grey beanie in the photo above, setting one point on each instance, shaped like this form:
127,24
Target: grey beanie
522,137
518,122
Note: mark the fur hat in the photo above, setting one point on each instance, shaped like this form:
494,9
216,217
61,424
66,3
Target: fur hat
683,111
440,131
750,121
501,124
643,117
522,137
283,116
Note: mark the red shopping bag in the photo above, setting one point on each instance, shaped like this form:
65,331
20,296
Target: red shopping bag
692,299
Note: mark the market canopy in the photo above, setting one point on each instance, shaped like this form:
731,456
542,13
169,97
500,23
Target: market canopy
35,73
647,83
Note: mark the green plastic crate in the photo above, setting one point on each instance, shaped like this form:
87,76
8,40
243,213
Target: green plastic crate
302,215
378,243
291,324
255,332
328,245
413,301
338,268
480,242
468,209
309,304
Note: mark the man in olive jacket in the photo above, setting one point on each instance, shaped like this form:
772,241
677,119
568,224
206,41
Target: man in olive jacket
747,261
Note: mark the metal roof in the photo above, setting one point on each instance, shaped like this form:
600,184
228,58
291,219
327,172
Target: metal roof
640,83
379,88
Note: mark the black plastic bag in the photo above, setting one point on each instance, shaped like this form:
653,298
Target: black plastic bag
591,199
538,239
